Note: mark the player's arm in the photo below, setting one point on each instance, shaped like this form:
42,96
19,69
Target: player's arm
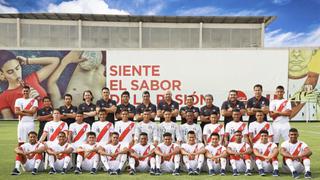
102,151
175,151
175,112
41,149
30,111
43,136
45,117
200,151
160,113
125,150
285,113
273,154
111,109
305,153
159,153
90,114
50,151
68,115
18,111
204,138
19,150
248,151
134,154
226,139
184,152
285,153
226,113
231,152
257,153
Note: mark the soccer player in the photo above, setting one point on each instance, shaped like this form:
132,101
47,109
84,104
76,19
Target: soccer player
68,111
296,155
266,154
29,155
146,105
59,154
190,126
113,155
88,108
167,156
213,127
166,104
171,127
216,155
239,153
78,131
257,103
236,125
125,129
142,157
109,105
102,128
148,127
189,107
125,97
257,126
26,109
207,110
280,111
88,157
192,154
44,114
231,104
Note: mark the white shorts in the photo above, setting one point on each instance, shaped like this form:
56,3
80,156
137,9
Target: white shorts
241,166
29,165
143,166
87,164
215,166
58,164
192,163
167,166
267,166
298,166
280,130
23,129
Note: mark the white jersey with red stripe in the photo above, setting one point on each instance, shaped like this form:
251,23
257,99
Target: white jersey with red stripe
111,149
167,149
185,128
210,128
150,128
192,148
22,103
27,147
56,147
74,129
237,147
88,147
233,126
97,128
215,151
256,127
170,127
121,127
53,128
274,106
291,148
142,150
262,148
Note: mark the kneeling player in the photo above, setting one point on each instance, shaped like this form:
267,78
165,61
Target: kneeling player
167,156
192,154
88,158
142,156
216,155
296,155
266,154
239,155
29,155
113,155
59,154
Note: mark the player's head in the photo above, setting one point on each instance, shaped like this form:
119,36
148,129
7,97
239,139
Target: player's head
146,96
233,95
259,115
125,96
26,91
67,99
238,135
114,138
236,115
264,135
191,137
168,95
56,114
125,115
102,114
46,101
208,99
105,92
293,135
189,117
280,92
146,115
215,138
214,117
190,100
10,67
79,116
33,137
257,90
167,138
143,137
62,137
87,96
167,114
91,137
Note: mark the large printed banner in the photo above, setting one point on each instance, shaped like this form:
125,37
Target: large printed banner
195,72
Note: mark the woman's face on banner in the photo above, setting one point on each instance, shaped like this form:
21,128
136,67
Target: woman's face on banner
12,71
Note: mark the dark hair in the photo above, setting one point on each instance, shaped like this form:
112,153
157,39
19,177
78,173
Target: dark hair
105,88
32,132
68,95
191,132
214,113
257,86
145,93
56,109
125,93
143,134
91,134
190,96
46,98
62,132
147,110
80,112
102,110
280,87
236,110
87,91
238,131
215,134
167,110
264,132
293,130
114,133
124,110
26,87
233,90
260,111
167,134
5,56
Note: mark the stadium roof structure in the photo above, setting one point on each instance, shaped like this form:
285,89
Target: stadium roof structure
158,19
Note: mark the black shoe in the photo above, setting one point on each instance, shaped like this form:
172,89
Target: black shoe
93,171
212,172
235,172
109,171
64,171
132,172
117,172
15,172
307,175
261,172
34,171
77,171
152,172
158,172
248,172
196,172
222,172
190,171
295,175
176,172
52,171
275,173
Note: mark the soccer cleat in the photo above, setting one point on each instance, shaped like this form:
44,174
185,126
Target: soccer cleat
235,172
248,172
275,173
64,171
307,175
15,172
295,175
52,171
109,171
117,172
158,172
93,171
34,171
261,172
211,172
223,172
190,171
152,172
176,172
77,171
196,172
132,172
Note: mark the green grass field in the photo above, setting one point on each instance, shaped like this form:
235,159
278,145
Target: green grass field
309,133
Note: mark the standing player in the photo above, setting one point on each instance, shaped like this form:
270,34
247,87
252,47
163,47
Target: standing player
88,108
168,104
257,126
44,114
102,128
59,154
109,105
113,155
167,126
236,125
78,131
125,129
231,104
142,156
148,127
207,110
266,153
213,127
125,97
68,111
192,154
29,155
239,153
146,105
190,126
26,109
189,107
88,157
280,111
167,156
216,155
257,103
296,155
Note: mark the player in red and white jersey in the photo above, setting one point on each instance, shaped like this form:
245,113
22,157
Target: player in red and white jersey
236,125
167,156
296,155
102,128
113,155
25,108
88,157
29,155
148,127
142,157
216,155
239,153
213,127
171,127
53,128
266,155
78,131
190,126
259,125
280,111
126,129
59,154
192,154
